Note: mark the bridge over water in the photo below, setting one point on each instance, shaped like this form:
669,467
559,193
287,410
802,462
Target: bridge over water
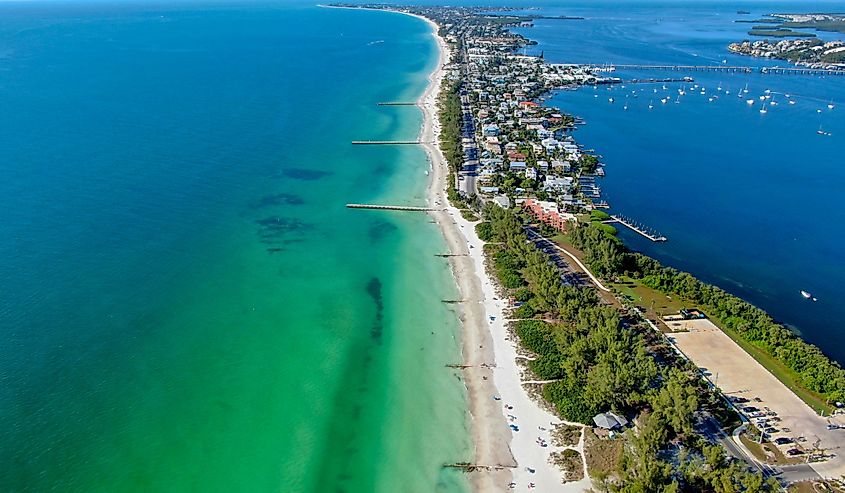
720,68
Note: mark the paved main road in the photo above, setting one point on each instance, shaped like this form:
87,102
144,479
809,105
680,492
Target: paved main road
567,274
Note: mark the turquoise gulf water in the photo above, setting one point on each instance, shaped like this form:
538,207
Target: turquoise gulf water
751,202
186,304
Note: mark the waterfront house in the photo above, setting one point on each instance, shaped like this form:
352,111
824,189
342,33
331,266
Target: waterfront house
558,184
528,105
562,166
550,145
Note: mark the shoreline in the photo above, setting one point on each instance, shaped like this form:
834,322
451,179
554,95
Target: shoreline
486,344
490,434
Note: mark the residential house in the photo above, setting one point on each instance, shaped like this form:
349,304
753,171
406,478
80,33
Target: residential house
518,166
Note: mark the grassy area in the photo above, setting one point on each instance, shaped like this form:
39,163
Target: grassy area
469,215
570,463
566,435
657,303
815,487
561,240
603,454
767,452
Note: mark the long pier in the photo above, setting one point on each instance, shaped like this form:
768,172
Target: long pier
391,207
387,142
633,227
722,68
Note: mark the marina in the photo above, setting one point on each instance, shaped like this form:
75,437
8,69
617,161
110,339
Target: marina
640,229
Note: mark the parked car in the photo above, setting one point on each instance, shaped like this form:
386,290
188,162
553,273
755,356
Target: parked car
771,429
750,409
783,440
793,452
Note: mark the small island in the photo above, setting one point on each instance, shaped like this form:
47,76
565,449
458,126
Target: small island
813,53
799,47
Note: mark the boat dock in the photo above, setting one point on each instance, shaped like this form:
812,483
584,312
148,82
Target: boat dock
655,237
387,142
720,68
391,207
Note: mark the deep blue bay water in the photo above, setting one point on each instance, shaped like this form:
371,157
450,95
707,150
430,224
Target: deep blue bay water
749,201
185,302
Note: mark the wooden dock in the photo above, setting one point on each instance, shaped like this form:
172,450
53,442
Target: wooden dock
391,207
657,238
387,142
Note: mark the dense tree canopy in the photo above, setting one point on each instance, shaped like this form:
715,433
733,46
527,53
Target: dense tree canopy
607,256
595,362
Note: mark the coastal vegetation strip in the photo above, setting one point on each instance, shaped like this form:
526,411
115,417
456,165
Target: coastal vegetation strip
600,359
800,365
778,33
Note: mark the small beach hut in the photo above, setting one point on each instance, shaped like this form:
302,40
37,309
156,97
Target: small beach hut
609,421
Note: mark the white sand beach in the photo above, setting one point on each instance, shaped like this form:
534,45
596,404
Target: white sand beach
497,398
514,460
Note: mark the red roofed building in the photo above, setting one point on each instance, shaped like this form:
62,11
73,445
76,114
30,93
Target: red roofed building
548,212
528,104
